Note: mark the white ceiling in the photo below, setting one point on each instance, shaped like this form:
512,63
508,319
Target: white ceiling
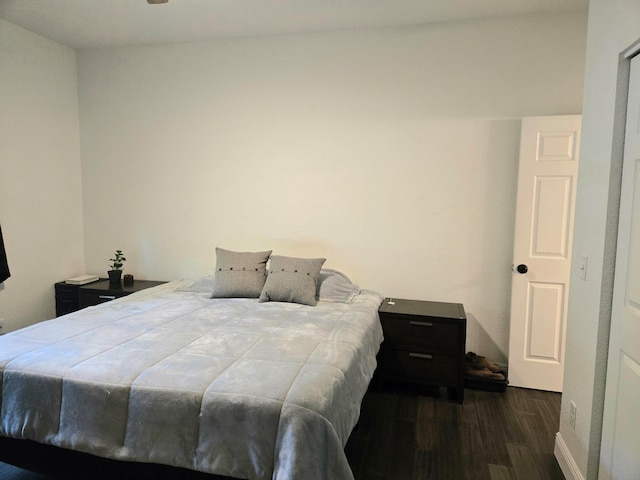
91,23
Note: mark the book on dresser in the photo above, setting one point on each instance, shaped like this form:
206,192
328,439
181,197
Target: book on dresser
82,280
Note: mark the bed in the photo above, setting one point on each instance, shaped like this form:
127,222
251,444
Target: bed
246,388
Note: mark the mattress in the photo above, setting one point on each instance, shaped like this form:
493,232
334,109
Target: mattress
232,387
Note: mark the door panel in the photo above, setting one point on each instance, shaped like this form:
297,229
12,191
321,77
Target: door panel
560,145
545,322
553,197
549,155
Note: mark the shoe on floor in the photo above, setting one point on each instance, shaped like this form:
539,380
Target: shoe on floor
478,362
484,374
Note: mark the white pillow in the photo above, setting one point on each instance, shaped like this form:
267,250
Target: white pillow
335,286
200,285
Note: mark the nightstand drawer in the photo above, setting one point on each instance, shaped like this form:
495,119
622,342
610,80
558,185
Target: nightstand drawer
421,367
89,299
421,334
66,290
66,305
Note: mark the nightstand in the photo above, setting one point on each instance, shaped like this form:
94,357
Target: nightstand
100,292
424,343
68,297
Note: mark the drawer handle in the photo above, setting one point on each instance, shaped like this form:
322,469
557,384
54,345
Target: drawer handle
420,324
107,297
421,355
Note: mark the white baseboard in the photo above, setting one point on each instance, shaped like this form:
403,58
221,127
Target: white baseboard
567,464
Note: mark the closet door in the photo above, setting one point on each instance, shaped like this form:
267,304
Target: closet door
620,447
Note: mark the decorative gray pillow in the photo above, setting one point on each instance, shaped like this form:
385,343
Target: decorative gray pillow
239,274
292,280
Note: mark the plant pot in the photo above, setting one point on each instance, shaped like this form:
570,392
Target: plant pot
115,275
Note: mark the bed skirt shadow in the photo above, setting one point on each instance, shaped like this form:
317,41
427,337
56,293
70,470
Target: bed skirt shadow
68,464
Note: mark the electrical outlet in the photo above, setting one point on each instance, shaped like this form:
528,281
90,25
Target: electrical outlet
572,415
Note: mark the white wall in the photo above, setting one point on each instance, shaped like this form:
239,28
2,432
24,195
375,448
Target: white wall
40,192
392,153
613,26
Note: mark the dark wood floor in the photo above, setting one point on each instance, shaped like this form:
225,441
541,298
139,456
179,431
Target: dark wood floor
407,434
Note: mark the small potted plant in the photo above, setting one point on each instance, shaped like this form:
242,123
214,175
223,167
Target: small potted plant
116,266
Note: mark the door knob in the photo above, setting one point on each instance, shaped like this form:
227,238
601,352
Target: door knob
522,268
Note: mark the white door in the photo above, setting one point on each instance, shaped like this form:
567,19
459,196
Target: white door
548,169
620,447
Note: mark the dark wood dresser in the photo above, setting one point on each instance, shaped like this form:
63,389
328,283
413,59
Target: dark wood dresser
70,298
424,343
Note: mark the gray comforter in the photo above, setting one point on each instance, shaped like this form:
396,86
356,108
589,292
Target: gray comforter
232,387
